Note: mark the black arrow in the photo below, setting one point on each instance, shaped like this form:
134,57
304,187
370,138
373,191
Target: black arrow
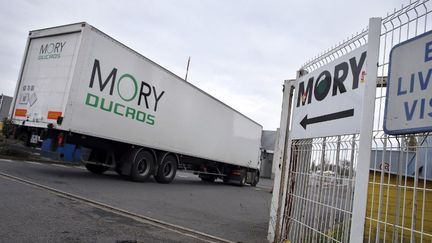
328,117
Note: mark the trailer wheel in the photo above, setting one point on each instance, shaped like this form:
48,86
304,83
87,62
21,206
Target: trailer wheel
167,170
143,166
255,180
96,169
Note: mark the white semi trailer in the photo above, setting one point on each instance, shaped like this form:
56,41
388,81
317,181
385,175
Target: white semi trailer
85,96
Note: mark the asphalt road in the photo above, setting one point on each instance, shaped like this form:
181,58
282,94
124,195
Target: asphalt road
33,215
235,213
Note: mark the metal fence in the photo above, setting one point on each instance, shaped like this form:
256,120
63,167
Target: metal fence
320,190
320,173
399,202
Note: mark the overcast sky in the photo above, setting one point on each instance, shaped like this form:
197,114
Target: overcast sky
241,51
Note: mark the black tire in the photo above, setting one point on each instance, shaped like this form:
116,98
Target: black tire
208,178
255,179
142,166
167,170
96,169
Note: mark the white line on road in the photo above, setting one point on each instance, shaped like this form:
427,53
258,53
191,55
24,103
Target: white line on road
59,165
140,218
48,164
31,162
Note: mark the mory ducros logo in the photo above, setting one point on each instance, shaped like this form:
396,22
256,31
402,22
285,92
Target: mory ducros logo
51,50
129,90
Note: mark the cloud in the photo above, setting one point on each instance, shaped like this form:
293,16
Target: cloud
241,50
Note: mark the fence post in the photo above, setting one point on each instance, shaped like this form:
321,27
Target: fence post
365,143
274,230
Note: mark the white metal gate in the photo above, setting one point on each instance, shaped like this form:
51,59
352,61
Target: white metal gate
320,190
319,179
399,202
367,187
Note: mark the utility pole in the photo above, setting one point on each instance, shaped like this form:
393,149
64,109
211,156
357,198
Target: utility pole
187,68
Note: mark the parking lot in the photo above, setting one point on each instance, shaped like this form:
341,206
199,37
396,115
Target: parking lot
229,212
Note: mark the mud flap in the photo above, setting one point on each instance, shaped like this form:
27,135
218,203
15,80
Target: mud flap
127,160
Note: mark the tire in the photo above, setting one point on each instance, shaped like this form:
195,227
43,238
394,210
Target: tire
255,179
96,169
167,170
242,180
208,178
142,166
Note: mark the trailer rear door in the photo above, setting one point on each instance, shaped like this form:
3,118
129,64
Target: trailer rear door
45,81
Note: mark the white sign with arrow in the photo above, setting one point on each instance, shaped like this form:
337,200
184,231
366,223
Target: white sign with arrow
328,101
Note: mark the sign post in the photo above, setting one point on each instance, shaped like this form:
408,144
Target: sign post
365,144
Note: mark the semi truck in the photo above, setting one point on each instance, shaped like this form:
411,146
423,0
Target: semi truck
84,96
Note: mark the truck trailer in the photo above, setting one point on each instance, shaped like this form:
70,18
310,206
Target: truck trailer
84,96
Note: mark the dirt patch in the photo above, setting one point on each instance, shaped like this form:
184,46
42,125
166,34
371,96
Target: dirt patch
13,148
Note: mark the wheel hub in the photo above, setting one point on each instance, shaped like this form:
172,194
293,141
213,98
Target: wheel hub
167,171
142,166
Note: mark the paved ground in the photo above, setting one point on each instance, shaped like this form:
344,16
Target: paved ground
231,212
34,215
266,184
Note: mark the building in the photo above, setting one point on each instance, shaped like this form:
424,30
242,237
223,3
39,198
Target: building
5,103
268,140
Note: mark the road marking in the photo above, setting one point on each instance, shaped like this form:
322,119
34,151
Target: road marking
31,162
59,165
140,218
47,163
263,189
